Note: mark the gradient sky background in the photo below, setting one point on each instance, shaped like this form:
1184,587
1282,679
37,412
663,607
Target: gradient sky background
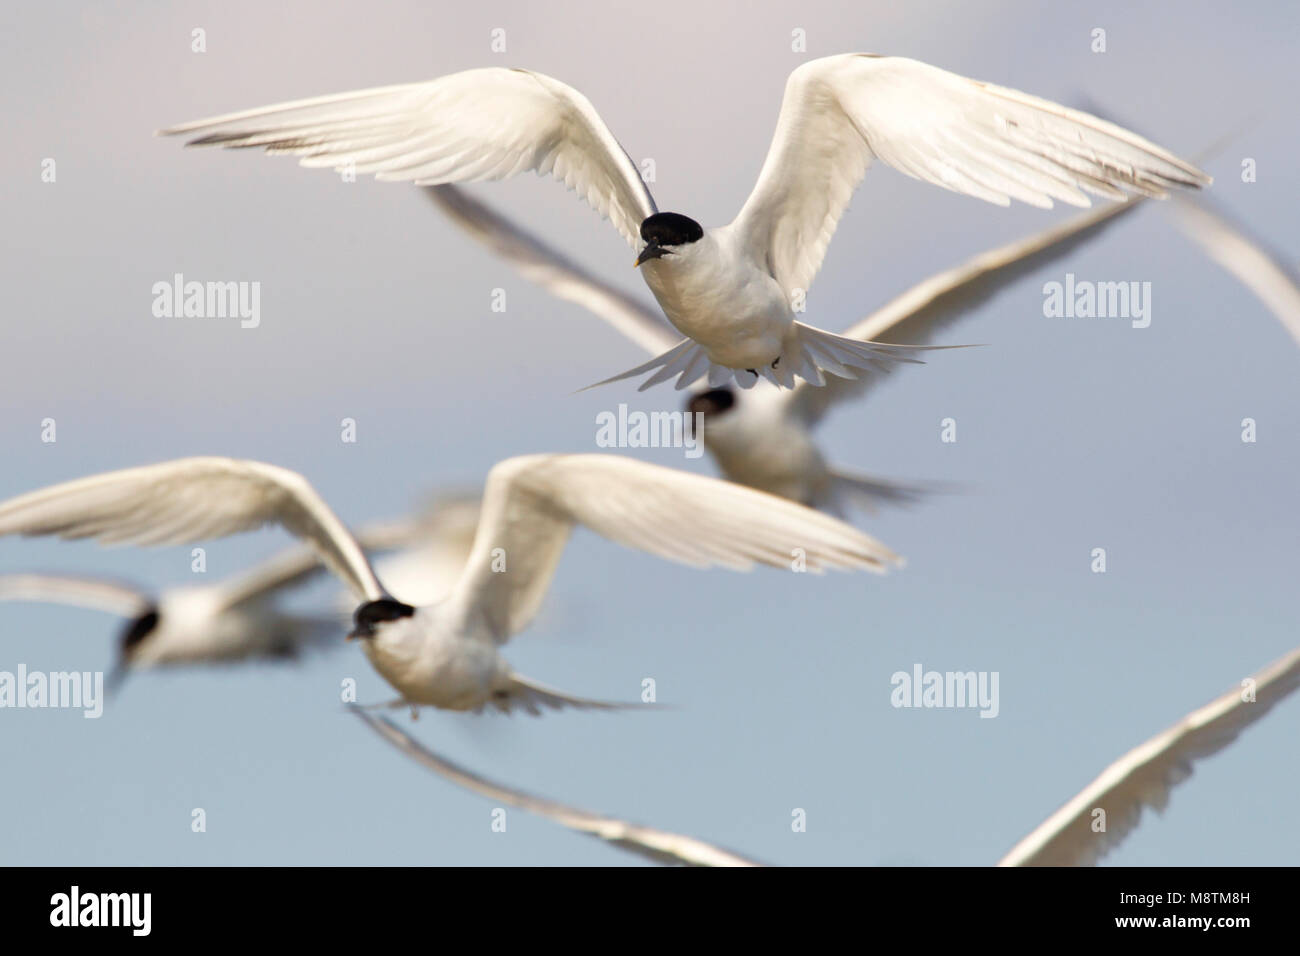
1074,434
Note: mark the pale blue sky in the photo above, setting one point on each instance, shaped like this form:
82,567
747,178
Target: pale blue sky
1074,434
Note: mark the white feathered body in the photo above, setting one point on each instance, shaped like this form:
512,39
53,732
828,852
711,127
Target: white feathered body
431,660
712,291
195,625
758,443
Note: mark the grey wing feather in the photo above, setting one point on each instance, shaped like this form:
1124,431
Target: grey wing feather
99,594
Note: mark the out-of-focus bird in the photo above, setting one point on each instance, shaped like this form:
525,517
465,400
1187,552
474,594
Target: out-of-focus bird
764,437
446,654
233,620
239,618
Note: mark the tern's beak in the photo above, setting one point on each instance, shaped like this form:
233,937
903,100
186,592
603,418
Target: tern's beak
652,251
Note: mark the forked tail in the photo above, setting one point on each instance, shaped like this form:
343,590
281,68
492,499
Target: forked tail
532,697
809,352
868,491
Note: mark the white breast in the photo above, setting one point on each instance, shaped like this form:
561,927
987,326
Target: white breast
712,292
756,443
429,663
195,626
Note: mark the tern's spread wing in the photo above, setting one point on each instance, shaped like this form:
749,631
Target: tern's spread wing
996,144
555,272
97,594
531,503
1273,281
934,304
658,845
191,499
1145,776
465,127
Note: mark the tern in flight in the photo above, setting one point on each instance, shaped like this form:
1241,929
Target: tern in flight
446,654
238,619
764,437
734,290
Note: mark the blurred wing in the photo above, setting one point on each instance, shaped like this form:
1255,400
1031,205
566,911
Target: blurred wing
530,504
916,316
532,697
97,594
446,519
483,124
546,266
1146,775
318,632
434,549
1273,282
191,499
996,144
289,569
447,529
658,845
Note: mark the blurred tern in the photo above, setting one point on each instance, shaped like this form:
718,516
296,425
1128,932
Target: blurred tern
731,290
763,437
1147,774
660,846
237,619
231,621
445,654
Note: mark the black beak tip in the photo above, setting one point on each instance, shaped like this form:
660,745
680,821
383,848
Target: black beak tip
652,251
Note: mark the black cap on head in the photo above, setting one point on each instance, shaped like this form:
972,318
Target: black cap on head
671,229
137,630
713,402
376,612
710,404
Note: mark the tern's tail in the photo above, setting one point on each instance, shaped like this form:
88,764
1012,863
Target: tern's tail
867,491
532,697
808,353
